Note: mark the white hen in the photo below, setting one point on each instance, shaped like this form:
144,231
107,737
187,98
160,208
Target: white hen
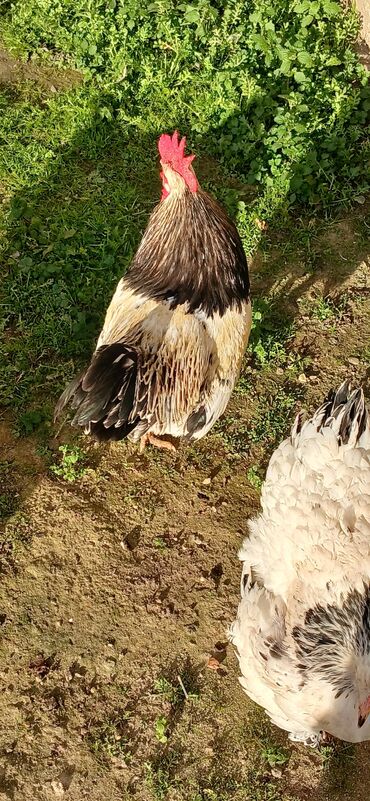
303,626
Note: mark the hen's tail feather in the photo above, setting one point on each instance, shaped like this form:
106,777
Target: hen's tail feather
104,394
344,411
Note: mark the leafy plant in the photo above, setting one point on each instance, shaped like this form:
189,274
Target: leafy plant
177,694
254,477
160,729
167,690
269,333
275,756
72,465
160,543
110,739
31,420
275,87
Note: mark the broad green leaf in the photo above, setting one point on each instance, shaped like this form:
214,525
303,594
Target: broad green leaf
333,61
192,15
305,58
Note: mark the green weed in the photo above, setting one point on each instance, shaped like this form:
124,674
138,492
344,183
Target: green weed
7,504
160,729
160,543
269,333
254,478
269,424
110,738
176,694
275,755
167,690
72,466
243,386
276,88
327,309
32,421
274,416
159,780
339,765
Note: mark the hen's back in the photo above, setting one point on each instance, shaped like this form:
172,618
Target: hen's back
315,523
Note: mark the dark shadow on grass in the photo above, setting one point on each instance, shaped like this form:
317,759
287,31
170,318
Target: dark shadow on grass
70,238
311,248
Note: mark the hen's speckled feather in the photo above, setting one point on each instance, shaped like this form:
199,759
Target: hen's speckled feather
303,627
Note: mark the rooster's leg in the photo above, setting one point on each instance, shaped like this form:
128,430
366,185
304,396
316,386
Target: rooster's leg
143,442
156,441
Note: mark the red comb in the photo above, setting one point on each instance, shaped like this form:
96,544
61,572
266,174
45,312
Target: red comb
171,151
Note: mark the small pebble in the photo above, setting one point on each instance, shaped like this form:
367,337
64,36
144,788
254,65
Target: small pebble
354,360
276,773
58,789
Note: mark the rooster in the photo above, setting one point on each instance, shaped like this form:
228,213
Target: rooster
174,335
303,625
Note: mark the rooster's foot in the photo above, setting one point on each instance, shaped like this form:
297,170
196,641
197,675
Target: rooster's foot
158,442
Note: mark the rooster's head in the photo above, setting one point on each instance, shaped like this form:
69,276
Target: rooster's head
177,172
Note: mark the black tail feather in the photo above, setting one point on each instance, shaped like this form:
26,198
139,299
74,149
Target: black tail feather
103,395
348,403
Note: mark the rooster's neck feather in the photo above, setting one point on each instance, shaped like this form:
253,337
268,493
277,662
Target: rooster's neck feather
191,253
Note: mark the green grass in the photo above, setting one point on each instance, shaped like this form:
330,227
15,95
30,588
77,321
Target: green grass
275,406
275,756
273,92
71,466
160,729
270,332
326,309
339,766
274,415
110,740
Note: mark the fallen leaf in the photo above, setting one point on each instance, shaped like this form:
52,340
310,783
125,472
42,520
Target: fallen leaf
42,665
47,250
213,664
261,224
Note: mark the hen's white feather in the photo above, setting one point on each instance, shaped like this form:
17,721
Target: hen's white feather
310,550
